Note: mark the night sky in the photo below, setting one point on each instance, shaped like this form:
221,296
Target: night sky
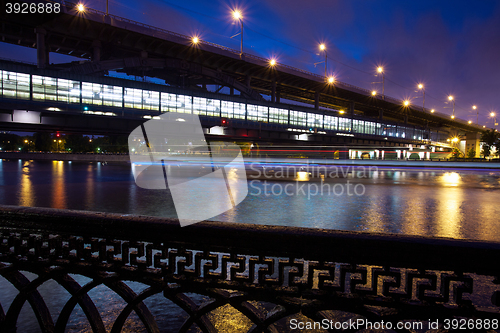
452,47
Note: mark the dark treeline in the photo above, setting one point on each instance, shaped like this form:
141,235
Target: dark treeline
58,142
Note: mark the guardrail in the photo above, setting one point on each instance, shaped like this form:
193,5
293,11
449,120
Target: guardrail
262,277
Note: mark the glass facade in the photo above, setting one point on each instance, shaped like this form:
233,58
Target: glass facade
44,88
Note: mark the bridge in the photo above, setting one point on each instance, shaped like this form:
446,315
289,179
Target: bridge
260,103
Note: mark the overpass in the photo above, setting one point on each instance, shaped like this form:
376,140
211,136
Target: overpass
261,103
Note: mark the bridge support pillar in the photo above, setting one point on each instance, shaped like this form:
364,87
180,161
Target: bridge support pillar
316,100
278,96
273,92
42,53
96,46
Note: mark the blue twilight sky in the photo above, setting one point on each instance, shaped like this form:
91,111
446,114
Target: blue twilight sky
452,47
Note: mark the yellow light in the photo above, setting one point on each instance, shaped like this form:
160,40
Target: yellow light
450,98
406,103
272,62
380,69
432,111
470,122
374,93
80,7
195,40
474,107
237,15
492,114
331,79
455,139
452,117
60,141
484,126
341,111
420,86
25,141
322,47
302,176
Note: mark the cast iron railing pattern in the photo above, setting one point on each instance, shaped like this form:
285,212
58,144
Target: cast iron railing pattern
268,274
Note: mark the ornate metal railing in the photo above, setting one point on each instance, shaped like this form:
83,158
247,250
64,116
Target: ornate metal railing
238,277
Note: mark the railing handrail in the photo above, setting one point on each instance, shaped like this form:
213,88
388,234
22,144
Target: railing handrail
387,250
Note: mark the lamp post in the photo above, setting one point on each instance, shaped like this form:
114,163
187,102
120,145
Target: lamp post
322,47
238,17
493,115
421,87
452,99
380,70
477,113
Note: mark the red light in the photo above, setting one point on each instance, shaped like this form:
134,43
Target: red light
58,135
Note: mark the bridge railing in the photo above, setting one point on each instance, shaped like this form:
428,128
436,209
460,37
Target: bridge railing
262,277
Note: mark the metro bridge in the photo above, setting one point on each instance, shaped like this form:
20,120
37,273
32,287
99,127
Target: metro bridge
260,103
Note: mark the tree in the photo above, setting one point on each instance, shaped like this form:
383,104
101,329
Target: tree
471,153
490,139
43,141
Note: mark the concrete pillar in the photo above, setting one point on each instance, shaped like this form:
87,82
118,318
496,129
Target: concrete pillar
273,92
316,100
42,54
96,45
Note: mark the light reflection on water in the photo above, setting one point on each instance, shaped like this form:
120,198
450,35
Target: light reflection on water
428,202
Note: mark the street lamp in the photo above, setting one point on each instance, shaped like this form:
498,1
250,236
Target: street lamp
421,87
80,7
406,103
452,99
380,70
432,111
331,80
272,62
374,93
238,17
322,47
195,40
493,115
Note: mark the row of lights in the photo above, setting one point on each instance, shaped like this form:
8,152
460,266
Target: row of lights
331,79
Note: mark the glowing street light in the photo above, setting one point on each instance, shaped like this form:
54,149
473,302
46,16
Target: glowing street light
195,40
455,140
470,122
380,70
421,87
272,62
406,103
452,99
477,113
80,7
238,17
432,111
322,47
374,93
331,80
